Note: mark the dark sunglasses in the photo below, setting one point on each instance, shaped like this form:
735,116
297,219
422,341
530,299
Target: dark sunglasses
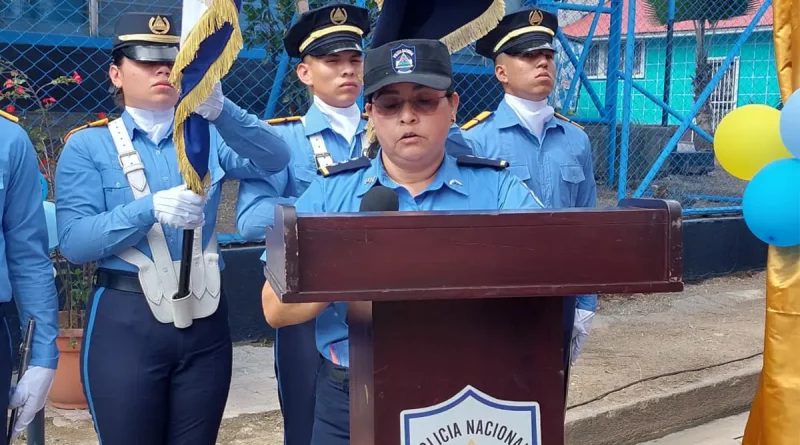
392,105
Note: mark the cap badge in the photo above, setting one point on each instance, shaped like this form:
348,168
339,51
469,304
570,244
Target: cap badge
159,25
338,16
535,18
404,59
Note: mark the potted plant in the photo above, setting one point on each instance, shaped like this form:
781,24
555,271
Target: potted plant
73,282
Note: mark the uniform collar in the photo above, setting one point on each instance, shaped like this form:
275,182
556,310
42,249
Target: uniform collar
449,175
315,122
132,127
507,118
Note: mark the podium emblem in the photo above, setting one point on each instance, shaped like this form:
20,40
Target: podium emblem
472,418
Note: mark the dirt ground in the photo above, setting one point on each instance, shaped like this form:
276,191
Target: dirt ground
634,337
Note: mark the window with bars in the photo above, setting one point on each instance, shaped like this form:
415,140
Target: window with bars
596,65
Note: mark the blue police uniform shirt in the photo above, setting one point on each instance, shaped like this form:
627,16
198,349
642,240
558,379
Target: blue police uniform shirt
255,209
26,271
558,168
96,213
454,187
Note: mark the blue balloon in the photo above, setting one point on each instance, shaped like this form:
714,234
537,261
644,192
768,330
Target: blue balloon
790,116
771,203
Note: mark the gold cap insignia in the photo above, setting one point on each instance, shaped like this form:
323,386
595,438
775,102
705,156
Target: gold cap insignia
338,16
535,18
159,25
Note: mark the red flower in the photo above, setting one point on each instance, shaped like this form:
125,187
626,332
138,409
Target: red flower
48,101
20,90
101,115
11,109
9,83
77,77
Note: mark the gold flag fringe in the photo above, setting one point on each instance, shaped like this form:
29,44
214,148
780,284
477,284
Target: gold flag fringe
477,28
219,13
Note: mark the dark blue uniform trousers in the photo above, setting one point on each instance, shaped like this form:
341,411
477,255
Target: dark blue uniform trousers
296,363
332,412
150,383
5,376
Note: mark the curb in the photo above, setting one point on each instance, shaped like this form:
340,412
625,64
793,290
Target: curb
712,394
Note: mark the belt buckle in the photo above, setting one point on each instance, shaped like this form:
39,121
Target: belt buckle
323,160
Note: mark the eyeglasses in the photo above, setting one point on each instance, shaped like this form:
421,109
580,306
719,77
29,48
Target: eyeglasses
391,105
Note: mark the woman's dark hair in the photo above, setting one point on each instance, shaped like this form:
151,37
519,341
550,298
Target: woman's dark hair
119,96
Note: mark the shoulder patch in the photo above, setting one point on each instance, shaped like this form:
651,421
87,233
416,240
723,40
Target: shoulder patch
475,161
564,118
9,116
283,120
476,120
100,123
349,165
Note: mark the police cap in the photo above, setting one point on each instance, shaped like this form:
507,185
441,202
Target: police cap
146,37
327,30
519,33
420,61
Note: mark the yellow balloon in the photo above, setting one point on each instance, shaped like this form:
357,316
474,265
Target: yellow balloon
747,139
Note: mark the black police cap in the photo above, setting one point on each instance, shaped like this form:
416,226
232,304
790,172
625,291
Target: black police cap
146,37
327,30
519,33
420,61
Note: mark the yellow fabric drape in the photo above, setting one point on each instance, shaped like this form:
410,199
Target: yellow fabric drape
775,411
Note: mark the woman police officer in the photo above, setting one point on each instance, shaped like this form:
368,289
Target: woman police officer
410,97
154,372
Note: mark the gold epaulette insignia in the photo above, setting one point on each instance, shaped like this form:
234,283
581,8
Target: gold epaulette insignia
476,120
564,118
282,120
9,116
98,123
349,165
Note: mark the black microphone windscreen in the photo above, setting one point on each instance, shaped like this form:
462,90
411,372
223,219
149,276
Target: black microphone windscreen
380,199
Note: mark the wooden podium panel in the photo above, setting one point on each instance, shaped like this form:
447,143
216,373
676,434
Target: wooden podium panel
443,304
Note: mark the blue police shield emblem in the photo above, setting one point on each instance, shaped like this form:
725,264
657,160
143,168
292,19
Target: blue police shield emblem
472,418
404,59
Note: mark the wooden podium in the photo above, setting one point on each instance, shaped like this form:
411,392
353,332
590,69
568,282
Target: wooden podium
441,302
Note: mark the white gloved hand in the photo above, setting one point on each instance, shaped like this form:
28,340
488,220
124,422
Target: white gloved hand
30,396
211,108
179,207
580,331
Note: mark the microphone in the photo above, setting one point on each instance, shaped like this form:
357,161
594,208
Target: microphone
380,199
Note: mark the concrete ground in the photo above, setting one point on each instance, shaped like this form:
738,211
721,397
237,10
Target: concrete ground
653,365
727,431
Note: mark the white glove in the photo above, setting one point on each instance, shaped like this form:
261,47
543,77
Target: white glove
30,396
179,207
212,107
580,331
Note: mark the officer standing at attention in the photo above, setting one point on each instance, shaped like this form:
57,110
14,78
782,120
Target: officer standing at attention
411,99
154,372
550,153
26,272
328,42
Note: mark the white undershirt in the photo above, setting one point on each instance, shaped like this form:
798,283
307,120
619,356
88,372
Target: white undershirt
344,121
155,123
532,114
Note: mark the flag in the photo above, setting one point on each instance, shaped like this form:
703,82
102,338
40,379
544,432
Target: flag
210,42
775,411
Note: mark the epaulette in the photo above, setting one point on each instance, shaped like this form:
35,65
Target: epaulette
564,118
283,120
475,161
476,120
9,116
100,123
350,165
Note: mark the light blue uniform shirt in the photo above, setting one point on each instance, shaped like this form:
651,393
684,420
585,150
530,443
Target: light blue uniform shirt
453,188
97,215
26,271
558,168
255,209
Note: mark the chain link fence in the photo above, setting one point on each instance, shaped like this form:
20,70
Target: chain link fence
718,51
